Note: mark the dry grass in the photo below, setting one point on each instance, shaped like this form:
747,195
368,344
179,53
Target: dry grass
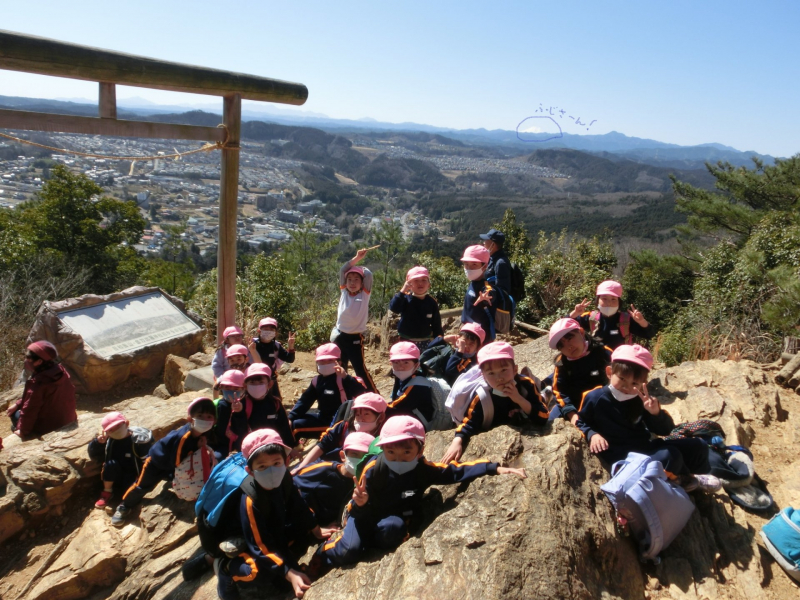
735,341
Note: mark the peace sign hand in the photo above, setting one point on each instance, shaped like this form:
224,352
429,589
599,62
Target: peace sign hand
360,495
651,404
290,341
637,316
580,308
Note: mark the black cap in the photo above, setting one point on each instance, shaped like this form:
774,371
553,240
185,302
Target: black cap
498,237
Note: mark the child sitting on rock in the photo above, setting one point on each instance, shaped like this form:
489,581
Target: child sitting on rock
412,394
273,516
232,336
389,492
185,455
420,320
330,389
122,455
266,349
620,417
326,486
613,326
368,413
513,399
467,343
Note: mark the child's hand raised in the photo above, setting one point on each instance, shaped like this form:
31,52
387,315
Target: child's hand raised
580,308
339,370
406,289
484,296
101,437
299,581
359,256
598,444
452,339
651,404
290,341
637,316
509,471
360,495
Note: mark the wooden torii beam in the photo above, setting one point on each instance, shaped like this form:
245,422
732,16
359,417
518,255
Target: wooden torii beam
42,56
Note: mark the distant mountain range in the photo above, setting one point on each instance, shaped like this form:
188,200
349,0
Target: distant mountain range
613,146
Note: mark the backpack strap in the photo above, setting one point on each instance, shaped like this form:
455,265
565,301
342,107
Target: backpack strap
625,326
487,405
594,321
340,385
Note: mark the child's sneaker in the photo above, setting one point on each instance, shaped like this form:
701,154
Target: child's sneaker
232,547
105,500
708,483
120,516
195,567
226,586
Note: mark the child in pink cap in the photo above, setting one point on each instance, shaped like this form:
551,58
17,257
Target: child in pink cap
262,409
330,389
620,418
613,326
469,340
420,321
231,336
389,492
412,394
367,415
268,350
121,453
511,399
274,518
327,486
352,315
481,299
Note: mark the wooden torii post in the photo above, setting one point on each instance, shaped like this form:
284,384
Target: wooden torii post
42,56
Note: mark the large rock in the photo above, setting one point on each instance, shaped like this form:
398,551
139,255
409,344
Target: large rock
176,368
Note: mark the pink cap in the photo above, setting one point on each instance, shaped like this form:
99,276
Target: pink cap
328,351
258,439
561,328
635,354
609,288
372,401
359,270
232,330
475,329
475,254
232,377
268,321
358,441
417,273
237,350
404,351
44,350
257,369
495,351
111,420
197,401
401,427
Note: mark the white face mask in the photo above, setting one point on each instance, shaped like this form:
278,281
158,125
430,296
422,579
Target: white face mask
271,477
326,370
257,391
201,426
403,375
350,463
365,426
473,274
267,336
619,396
401,467
119,433
608,310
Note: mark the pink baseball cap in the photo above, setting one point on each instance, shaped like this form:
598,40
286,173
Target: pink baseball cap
258,439
232,330
399,428
475,329
257,369
328,351
609,288
404,351
417,273
359,270
199,400
635,354
232,377
111,420
237,350
372,401
268,321
358,441
475,254
561,328
495,351
44,350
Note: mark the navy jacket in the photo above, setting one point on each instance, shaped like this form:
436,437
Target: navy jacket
456,365
608,329
621,423
498,270
327,396
265,413
168,452
269,351
406,397
325,490
332,439
125,453
391,494
482,315
506,411
572,378
419,317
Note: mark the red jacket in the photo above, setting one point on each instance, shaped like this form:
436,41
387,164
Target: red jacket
48,402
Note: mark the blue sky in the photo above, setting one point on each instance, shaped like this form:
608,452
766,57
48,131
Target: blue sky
680,72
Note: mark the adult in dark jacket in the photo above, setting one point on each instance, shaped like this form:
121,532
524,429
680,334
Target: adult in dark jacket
48,401
498,271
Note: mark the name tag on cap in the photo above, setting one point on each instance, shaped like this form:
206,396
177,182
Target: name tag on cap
614,332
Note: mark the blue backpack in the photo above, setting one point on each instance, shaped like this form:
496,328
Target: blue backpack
225,480
782,538
656,510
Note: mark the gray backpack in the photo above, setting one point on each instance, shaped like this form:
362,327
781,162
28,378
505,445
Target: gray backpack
655,509
439,391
